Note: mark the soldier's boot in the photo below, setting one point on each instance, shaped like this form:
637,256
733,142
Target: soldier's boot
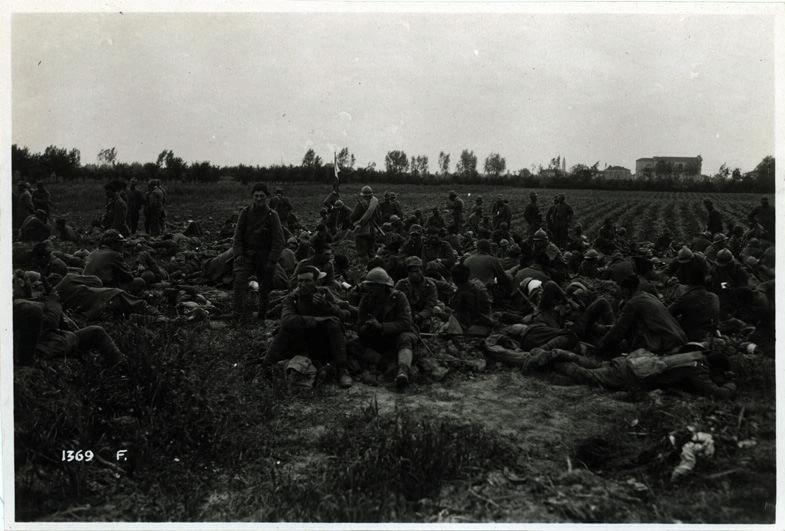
405,356
344,379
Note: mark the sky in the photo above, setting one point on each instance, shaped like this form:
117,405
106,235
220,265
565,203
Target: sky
263,88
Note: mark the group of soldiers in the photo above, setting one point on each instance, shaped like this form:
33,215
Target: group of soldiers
611,312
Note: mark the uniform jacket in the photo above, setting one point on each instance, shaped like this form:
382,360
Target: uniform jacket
646,323
394,314
422,297
258,234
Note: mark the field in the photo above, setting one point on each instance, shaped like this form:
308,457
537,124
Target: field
212,437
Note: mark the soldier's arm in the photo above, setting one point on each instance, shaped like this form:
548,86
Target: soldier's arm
403,323
239,231
431,301
276,242
291,321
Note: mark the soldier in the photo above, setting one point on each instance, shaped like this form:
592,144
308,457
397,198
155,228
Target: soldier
730,282
385,323
311,320
420,291
413,246
135,203
644,323
719,242
501,213
714,224
154,213
436,219
36,227
471,303
532,214
488,270
436,249
764,216
40,331
41,198
23,204
107,262
366,219
258,242
561,221
339,217
281,204
386,207
455,204
541,250
65,232
45,262
116,212
697,310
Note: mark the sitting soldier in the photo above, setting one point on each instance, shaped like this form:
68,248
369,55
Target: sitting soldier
311,321
420,291
471,303
107,263
36,227
385,324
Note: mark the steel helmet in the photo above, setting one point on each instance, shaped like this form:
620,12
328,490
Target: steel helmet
719,237
685,255
367,191
724,257
413,261
540,235
111,236
591,254
378,275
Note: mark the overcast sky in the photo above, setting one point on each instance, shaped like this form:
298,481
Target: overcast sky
262,88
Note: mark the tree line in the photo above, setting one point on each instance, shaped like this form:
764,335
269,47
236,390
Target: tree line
399,168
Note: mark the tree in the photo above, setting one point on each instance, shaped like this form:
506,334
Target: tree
311,159
723,172
108,156
61,162
764,174
345,159
495,164
396,162
419,165
555,163
736,175
467,165
444,162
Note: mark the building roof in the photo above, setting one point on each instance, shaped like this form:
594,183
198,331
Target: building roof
616,168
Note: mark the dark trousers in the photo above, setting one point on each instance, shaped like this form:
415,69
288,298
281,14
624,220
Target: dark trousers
599,311
242,272
133,220
326,342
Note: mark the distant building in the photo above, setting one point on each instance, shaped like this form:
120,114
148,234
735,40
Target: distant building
677,167
615,173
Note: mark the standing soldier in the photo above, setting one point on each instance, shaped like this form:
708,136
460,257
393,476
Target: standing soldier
135,203
258,242
562,218
366,219
455,204
281,204
116,212
714,224
386,207
154,215
501,213
764,216
532,214
41,198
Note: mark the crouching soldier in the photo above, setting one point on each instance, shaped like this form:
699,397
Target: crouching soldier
420,291
310,321
385,323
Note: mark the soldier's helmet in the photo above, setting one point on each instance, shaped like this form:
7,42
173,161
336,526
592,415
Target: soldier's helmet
338,203
413,261
394,219
719,237
724,257
111,236
685,255
367,191
378,275
591,254
540,235
415,229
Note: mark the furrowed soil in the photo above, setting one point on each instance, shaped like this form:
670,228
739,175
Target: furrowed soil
210,436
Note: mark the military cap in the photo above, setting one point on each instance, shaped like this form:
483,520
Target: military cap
540,235
685,255
415,229
413,261
366,191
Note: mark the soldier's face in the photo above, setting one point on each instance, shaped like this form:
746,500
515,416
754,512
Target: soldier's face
377,291
259,197
415,274
306,283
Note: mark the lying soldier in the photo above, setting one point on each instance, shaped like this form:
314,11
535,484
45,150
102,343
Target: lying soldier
40,331
311,321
